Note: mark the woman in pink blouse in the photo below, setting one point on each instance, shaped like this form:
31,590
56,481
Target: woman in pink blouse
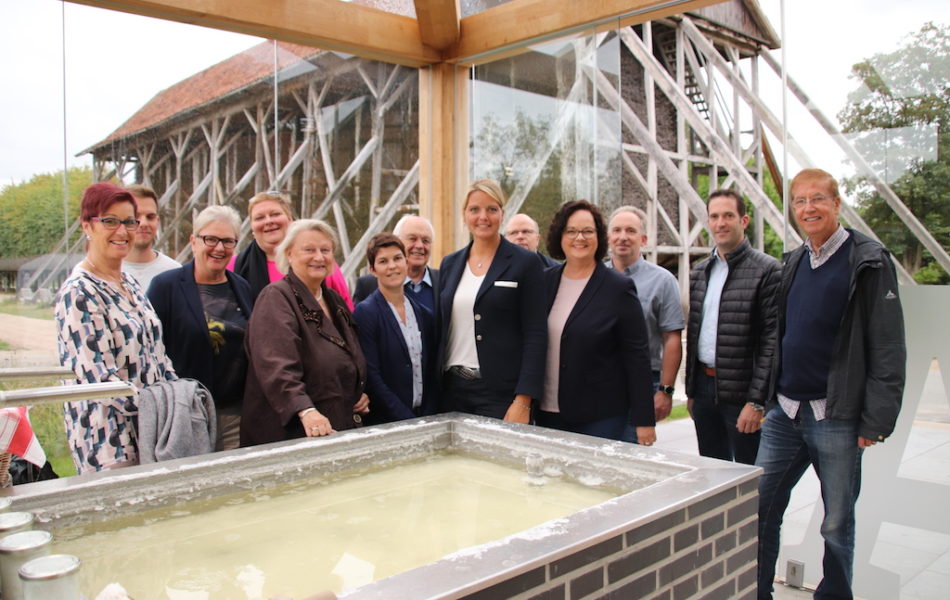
270,216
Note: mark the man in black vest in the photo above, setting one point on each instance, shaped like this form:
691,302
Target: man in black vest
838,378
731,335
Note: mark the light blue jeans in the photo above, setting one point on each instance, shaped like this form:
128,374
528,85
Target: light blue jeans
786,449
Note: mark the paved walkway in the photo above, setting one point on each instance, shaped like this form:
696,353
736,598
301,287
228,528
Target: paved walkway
921,558
32,342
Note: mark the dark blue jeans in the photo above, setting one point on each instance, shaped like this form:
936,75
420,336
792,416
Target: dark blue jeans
715,423
788,447
474,397
610,428
629,431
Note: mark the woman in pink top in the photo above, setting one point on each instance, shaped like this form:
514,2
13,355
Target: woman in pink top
270,216
598,376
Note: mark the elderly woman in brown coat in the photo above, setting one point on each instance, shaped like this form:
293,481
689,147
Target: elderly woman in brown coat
306,371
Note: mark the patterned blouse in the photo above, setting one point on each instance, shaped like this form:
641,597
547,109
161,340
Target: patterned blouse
105,336
413,336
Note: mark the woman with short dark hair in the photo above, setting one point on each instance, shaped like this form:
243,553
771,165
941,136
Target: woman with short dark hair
598,367
398,338
107,331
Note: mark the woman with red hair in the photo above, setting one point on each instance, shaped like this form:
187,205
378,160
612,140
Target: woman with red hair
108,331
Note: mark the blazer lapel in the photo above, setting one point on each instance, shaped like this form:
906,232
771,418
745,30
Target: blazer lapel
394,330
497,268
191,295
552,279
452,276
313,313
590,291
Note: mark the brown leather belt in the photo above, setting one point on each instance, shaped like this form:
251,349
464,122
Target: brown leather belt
709,371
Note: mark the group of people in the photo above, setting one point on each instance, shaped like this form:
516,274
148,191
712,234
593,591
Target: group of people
786,366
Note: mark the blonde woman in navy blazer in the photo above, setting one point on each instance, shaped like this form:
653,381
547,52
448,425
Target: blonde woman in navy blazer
598,363
491,319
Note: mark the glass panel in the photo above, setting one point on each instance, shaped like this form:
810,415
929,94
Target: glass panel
471,7
886,94
407,8
543,128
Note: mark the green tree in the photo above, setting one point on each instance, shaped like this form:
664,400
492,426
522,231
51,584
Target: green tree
899,117
31,213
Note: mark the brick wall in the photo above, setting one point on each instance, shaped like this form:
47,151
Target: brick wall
703,548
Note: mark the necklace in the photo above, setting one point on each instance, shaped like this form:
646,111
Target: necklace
103,275
320,297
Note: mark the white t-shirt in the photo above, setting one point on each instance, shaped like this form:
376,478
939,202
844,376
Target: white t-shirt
144,272
461,348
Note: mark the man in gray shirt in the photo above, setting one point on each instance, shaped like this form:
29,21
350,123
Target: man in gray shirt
143,261
659,297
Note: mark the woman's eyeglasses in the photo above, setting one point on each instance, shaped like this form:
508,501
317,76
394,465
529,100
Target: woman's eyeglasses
112,223
211,241
584,233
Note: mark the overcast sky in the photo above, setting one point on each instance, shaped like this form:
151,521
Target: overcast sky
116,62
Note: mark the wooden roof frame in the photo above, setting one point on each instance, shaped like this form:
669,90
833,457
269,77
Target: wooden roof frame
438,35
441,44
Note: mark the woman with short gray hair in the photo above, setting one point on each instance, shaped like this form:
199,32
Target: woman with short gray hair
204,310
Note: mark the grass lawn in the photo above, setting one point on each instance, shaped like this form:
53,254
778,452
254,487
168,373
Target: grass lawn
47,422
11,307
679,412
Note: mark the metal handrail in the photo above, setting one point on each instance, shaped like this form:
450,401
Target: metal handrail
65,393
9,374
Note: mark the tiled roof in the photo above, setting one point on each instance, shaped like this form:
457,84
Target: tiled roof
228,76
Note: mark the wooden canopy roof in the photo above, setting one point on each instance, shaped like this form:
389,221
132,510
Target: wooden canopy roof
255,65
438,33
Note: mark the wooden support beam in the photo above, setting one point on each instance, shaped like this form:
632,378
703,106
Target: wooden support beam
329,24
443,152
438,22
663,162
381,219
507,28
371,33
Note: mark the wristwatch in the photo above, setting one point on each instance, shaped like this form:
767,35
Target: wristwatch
666,389
756,406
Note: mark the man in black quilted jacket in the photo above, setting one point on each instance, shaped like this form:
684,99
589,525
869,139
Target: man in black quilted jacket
731,335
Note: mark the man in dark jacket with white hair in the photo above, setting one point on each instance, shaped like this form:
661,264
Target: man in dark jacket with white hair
838,379
731,335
